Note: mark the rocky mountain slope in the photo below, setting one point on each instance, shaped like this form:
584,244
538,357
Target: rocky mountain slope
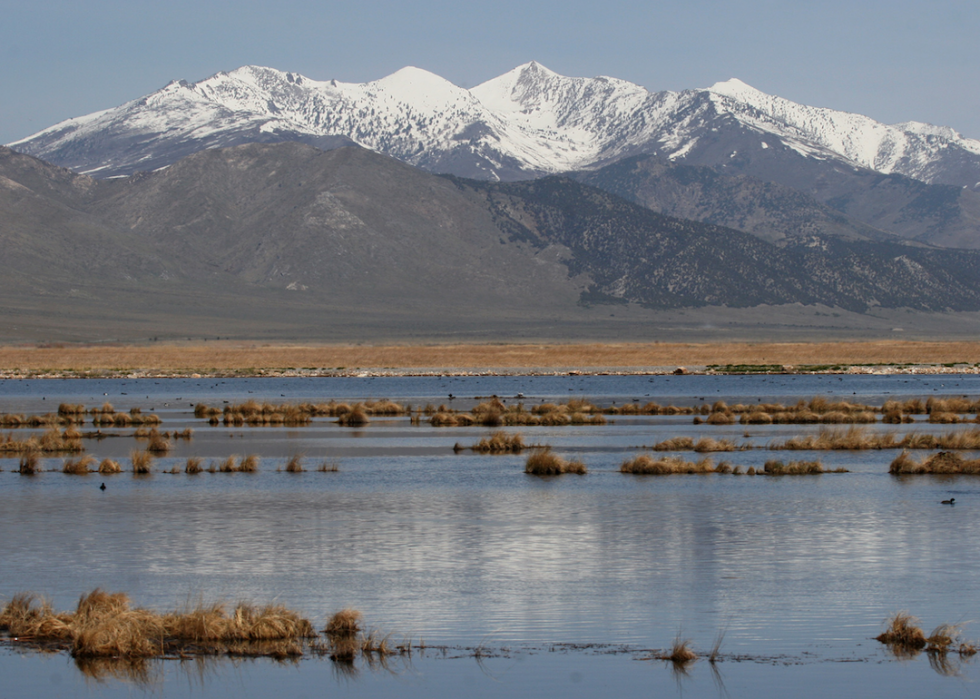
286,240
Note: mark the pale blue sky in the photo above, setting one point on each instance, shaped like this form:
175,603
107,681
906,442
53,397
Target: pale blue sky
894,61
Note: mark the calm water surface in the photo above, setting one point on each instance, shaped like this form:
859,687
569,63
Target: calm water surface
467,550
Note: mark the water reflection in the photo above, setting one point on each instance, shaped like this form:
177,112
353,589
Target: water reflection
458,547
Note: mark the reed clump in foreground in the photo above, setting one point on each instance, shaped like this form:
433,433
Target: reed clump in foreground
104,625
945,462
544,462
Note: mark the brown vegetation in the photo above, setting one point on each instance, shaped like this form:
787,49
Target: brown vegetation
78,466
494,413
141,461
225,357
903,632
255,414
501,443
945,462
109,466
680,652
29,463
544,462
669,465
797,468
52,441
104,625
295,464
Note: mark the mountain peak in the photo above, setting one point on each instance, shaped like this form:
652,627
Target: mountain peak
733,87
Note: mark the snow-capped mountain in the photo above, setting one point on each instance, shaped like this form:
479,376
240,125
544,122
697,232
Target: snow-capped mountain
525,123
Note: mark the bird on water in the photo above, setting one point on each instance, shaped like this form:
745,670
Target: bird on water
951,501
102,487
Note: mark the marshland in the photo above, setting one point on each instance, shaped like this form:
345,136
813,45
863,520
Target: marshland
440,537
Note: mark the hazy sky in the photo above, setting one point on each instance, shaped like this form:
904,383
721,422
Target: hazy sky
895,61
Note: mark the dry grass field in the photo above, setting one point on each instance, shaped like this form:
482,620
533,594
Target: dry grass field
222,358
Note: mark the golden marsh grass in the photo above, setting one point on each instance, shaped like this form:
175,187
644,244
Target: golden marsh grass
544,462
105,625
945,462
228,357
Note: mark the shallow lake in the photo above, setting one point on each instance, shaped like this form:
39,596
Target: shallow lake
466,551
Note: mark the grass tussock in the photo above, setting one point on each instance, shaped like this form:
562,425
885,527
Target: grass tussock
141,461
328,467
500,443
544,462
345,623
249,464
53,441
80,466
903,632
797,468
295,464
30,463
644,464
356,417
109,466
945,462
943,638
193,466
105,625
158,443
680,652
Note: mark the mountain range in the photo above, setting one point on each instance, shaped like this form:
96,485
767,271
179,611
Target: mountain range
261,203
912,180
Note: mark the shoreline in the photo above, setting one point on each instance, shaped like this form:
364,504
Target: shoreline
238,360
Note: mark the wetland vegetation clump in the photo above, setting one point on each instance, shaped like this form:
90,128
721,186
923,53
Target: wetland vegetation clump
357,416
544,462
702,445
30,463
501,443
342,630
328,467
797,468
644,464
158,444
141,461
494,413
52,441
903,633
680,652
105,625
257,414
109,466
295,464
249,464
945,462
193,466
80,466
